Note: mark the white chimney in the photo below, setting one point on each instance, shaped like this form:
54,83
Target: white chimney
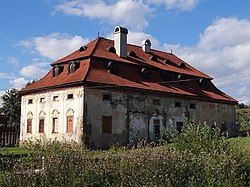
121,41
146,45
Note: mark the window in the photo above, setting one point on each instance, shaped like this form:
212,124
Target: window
179,126
70,124
55,125
30,101
107,97
70,96
178,104
42,100
106,124
192,106
72,68
156,102
41,125
29,125
144,73
55,98
157,128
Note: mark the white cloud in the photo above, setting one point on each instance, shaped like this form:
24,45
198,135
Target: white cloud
14,61
129,13
55,45
223,52
35,71
18,82
176,4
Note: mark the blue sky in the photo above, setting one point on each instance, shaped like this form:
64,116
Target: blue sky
211,35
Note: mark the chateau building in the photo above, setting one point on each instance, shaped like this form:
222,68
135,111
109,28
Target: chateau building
110,92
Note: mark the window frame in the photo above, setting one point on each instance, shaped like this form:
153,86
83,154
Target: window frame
70,98
29,125
41,125
107,129
30,101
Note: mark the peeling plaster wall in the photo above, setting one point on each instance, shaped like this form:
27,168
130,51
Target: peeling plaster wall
142,113
48,106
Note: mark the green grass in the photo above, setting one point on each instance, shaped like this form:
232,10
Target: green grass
14,151
244,142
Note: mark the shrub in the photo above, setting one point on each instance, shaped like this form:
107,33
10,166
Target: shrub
198,157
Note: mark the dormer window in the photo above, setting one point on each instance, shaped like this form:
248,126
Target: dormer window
182,65
153,58
112,67
181,77
82,48
145,73
111,49
202,82
132,54
73,66
57,70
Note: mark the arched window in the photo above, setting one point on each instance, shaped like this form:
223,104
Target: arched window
29,122
70,121
41,121
55,116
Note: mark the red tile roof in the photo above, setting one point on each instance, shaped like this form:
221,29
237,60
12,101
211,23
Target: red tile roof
93,70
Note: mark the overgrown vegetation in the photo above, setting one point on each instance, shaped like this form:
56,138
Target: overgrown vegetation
198,157
243,120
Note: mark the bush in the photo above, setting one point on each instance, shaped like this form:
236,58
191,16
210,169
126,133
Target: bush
198,157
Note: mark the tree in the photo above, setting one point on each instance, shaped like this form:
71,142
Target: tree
12,106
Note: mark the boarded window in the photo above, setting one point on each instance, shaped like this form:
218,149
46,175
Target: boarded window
29,126
179,126
106,124
41,125
70,124
55,125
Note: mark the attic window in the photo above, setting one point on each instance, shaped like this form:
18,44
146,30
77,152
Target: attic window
181,77
112,67
132,53
83,48
182,65
30,101
202,82
153,58
73,66
57,70
112,49
167,61
145,73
